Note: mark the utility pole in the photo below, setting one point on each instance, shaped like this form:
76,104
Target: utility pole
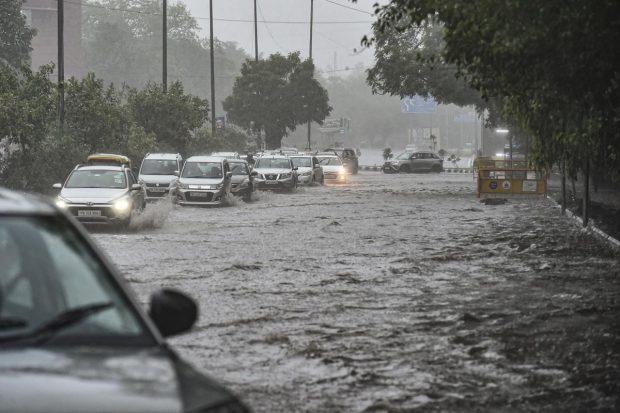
61,65
311,22
212,70
255,34
164,72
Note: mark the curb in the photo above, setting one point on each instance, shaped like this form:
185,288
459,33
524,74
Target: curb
597,232
445,170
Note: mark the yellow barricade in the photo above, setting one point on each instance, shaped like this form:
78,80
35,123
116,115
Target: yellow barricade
503,177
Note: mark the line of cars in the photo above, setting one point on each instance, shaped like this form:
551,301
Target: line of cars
105,190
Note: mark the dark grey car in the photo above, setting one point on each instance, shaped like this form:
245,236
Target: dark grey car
419,161
73,338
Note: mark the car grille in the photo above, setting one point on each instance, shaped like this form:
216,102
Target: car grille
271,177
151,185
156,194
191,198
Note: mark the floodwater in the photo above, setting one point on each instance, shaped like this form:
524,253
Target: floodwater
395,293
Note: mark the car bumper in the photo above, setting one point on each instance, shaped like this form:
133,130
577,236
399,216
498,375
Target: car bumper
154,195
200,197
335,178
305,179
275,184
102,214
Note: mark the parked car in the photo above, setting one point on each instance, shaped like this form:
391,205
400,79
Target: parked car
333,169
102,194
420,161
204,180
349,158
275,172
158,171
309,170
73,338
242,180
227,155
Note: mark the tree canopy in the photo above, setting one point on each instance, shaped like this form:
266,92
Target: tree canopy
15,35
277,95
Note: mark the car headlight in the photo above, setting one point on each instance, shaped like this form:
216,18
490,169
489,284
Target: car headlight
61,203
183,186
122,204
218,186
285,176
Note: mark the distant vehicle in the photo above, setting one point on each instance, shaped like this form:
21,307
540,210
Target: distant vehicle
421,161
102,194
309,170
204,180
333,169
349,158
275,172
73,336
158,171
227,155
242,180
288,151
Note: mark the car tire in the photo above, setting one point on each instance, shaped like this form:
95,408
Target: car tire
404,169
436,169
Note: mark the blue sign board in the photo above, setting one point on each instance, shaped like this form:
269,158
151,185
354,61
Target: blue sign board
418,104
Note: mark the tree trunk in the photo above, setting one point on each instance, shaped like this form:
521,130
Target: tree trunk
563,187
273,138
586,194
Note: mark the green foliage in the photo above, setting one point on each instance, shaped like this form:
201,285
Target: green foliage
277,95
15,35
548,64
172,117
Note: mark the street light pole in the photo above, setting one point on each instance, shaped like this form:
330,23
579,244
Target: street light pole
255,34
61,65
164,54
311,23
212,69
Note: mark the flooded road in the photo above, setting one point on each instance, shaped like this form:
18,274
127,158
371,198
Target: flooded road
395,293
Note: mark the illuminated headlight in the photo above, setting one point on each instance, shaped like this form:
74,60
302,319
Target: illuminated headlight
285,176
122,204
61,203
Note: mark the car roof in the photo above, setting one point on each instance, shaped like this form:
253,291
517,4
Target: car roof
163,156
202,158
274,157
237,161
12,202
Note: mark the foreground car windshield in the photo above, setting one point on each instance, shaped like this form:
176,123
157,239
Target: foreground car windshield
273,163
48,276
330,161
238,169
302,162
96,179
158,167
202,170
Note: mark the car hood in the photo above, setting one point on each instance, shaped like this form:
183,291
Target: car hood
96,195
201,181
157,179
273,171
101,380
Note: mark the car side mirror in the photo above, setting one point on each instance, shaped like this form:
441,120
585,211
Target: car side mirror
228,174
172,312
57,186
253,173
136,187
176,173
295,168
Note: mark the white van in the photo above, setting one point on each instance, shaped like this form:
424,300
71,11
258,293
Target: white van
157,171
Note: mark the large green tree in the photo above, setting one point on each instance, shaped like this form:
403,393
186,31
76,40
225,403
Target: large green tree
15,35
276,95
549,64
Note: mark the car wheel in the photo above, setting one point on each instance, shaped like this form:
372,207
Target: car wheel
404,169
436,169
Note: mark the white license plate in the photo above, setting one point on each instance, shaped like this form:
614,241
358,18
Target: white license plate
271,182
198,194
89,213
158,189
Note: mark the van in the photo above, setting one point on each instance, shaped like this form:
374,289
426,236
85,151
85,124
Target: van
157,172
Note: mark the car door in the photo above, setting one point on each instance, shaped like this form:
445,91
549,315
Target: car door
416,162
137,197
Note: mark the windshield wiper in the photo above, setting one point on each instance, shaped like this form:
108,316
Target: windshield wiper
62,321
7,323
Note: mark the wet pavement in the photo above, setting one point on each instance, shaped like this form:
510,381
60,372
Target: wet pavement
396,293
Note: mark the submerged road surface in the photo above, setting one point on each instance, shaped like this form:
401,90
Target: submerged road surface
395,293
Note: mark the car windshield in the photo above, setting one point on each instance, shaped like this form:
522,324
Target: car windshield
202,170
273,163
158,167
97,178
238,168
337,151
330,161
46,272
404,155
302,162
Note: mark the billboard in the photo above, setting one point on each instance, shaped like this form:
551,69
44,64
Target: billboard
418,104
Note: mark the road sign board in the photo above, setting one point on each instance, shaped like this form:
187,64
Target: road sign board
418,104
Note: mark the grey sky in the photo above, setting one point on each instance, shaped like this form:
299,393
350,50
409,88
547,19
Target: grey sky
340,39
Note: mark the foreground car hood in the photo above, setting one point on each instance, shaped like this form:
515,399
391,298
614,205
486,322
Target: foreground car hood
96,195
273,171
101,380
157,179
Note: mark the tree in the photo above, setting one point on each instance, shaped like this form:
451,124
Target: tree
172,117
15,35
277,95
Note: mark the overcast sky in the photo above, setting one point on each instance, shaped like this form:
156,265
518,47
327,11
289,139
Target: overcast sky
284,27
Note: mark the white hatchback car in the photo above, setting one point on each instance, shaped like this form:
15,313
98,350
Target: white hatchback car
334,170
309,170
